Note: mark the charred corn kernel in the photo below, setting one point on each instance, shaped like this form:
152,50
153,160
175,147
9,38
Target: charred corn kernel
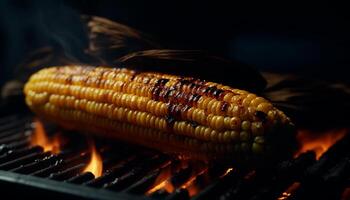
150,108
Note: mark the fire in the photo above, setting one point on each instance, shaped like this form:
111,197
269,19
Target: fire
191,186
40,138
95,165
290,190
192,189
166,185
318,142
162,182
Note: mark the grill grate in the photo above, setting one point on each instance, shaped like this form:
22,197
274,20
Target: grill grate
131,172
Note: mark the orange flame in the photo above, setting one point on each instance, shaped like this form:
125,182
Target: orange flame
290,190
191,186
317,142
162,182
95,165
166,185
40,138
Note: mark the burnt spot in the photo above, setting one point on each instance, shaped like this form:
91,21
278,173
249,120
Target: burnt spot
177,85
192,85
205,90
170,121
170,93
177,110
193,99
156,93
190,99
174,111
132,77
162,93
193,124
186,98
195,89
161,82
176,97
184,109
211,92
69,79
196,98
261,115
174,94
217,92
200,82
182,98
185,81
224,106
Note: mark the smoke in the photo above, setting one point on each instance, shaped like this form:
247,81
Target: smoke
29,25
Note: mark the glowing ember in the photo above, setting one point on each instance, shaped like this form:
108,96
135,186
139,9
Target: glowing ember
318,142
226,172
95,165
191,186
192,189
290,190
285,195
162,182
40,138
166,185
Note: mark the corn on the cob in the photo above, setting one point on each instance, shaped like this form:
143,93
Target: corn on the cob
162,111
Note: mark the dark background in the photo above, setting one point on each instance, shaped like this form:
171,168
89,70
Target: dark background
309,37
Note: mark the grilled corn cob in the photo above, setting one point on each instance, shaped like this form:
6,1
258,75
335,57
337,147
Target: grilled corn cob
167,112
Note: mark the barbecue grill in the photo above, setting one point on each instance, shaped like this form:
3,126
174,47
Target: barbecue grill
39,159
